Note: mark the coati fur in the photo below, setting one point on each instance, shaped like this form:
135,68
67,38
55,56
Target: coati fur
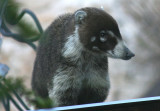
71,66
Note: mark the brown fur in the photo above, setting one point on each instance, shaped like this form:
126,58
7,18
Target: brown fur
69,67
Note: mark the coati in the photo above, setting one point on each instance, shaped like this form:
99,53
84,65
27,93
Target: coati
71,66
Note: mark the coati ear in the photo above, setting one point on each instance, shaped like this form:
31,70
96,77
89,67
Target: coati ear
80,16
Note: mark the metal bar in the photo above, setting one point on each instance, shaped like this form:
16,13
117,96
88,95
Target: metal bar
2,11
5,100
106,105
15,103
9,97
6,32
26,11
3,8
6,104
20,100
15,36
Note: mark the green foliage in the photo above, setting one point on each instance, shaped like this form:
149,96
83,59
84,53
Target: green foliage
36,100
25,28
39,102
12,19
11,11
8,85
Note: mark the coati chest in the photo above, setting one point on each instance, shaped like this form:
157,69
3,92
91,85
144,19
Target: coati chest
95,86
86,81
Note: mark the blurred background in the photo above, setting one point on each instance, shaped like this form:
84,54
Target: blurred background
139,23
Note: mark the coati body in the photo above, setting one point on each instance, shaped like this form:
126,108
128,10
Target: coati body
71,66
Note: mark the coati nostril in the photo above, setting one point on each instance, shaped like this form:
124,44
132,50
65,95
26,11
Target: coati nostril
128,54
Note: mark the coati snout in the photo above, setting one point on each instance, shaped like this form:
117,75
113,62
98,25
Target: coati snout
71,66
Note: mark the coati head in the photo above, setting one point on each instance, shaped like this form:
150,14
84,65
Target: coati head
99,33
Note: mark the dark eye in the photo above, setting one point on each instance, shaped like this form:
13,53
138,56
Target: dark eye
103,37
102,33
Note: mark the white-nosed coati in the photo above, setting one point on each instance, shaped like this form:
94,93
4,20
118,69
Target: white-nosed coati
71,66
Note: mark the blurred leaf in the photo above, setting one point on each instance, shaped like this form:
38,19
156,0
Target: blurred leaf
26,29
11,12
8,85
3,70
39,102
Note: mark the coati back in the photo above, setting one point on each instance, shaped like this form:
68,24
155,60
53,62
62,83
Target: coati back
71,66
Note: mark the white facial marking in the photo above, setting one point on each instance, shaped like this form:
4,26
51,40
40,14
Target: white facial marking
93,39
118,51
103,39
111,33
